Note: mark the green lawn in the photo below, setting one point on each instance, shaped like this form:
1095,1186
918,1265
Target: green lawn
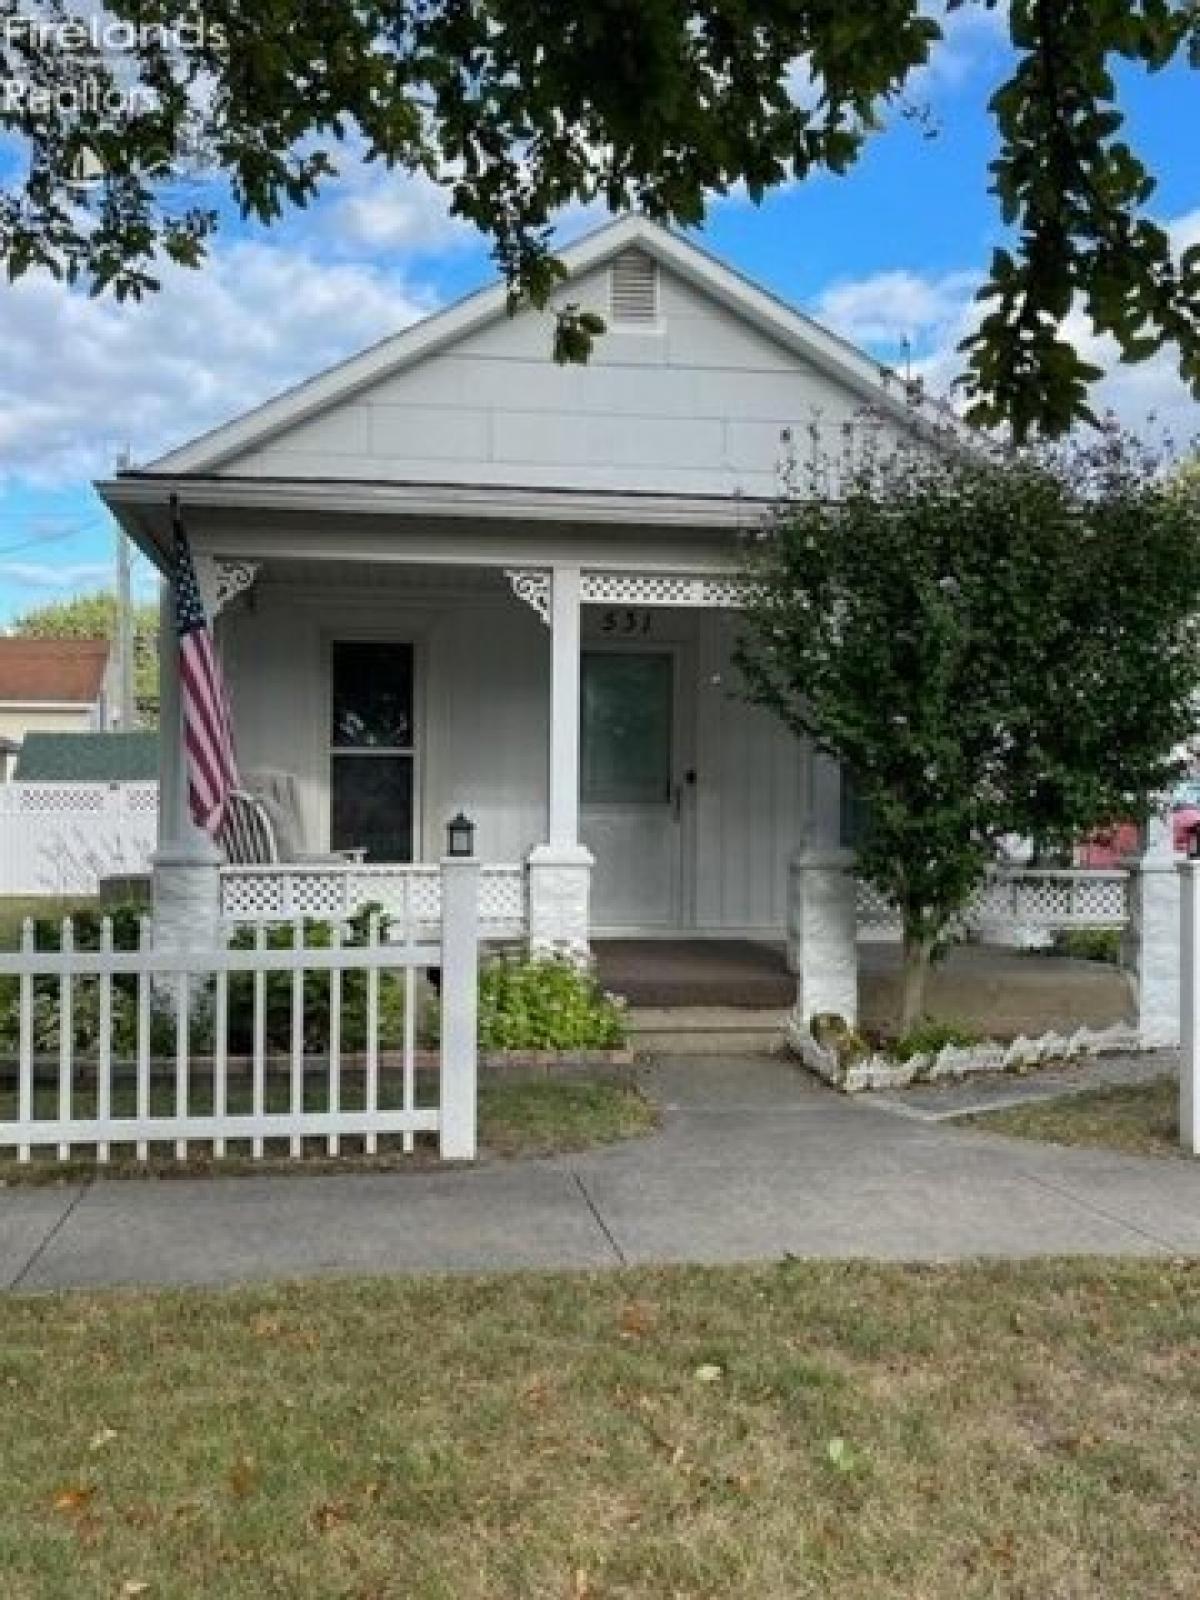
14,909
1142,1119
532,1118
840,1432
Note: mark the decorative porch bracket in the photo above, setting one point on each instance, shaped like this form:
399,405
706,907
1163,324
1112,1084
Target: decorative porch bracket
531,584
694,590
222,579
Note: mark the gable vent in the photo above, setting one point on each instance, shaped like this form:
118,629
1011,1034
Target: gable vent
634,289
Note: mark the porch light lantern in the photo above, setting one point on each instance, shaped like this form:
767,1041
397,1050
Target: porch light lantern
460,836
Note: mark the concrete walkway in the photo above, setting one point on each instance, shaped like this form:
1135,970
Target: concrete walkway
755,1161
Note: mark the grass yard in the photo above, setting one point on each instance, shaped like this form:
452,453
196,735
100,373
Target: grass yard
15,908
845,1432
1142,1119
516,1118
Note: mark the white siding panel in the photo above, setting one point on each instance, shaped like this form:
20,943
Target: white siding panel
343,431
750,805
415,434
613,441
482,697
695,404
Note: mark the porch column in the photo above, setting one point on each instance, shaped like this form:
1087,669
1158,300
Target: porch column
186,890
1151,953
822,931
560,870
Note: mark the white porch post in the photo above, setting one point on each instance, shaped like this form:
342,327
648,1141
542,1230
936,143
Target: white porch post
560,870
184,869
1152,941
822,932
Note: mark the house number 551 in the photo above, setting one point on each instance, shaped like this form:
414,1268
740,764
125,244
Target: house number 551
631,620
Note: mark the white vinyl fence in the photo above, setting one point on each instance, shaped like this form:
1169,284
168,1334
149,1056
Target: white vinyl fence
62,838
268,1040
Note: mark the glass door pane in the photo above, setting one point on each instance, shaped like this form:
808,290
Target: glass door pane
371,749
626,725
371,806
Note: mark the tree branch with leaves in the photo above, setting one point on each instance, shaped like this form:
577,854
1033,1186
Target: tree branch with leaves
520,108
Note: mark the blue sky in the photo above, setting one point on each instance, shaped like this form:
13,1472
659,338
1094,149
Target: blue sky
890,252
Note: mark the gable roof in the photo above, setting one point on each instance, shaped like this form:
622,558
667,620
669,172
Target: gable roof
874,383
89,757
52,671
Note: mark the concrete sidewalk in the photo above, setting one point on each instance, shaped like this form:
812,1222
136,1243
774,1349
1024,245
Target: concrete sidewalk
755,1161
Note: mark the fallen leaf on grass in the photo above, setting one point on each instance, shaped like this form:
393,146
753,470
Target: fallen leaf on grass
330,1514
101,1438
243,1477
74,1499
709,1373
132,1587
636,1320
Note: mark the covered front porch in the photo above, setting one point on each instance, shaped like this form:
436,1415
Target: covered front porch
584,715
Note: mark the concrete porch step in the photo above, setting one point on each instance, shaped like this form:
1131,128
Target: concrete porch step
707,1030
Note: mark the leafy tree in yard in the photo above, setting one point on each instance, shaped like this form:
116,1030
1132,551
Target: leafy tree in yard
990,646
521,107
94,616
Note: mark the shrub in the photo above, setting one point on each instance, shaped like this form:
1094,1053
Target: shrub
930,1036
546,1004
1089,944
278,993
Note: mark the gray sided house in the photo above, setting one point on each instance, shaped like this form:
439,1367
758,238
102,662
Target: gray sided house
450,575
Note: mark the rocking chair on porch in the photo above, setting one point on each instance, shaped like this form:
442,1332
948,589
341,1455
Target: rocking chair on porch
262,827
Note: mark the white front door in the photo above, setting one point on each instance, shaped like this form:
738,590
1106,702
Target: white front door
633,783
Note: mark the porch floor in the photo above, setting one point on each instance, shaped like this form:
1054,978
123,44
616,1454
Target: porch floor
998,991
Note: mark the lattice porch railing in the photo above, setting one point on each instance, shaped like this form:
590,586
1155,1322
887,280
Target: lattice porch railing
1026,900
411,894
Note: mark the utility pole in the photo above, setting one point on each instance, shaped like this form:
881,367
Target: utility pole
126,705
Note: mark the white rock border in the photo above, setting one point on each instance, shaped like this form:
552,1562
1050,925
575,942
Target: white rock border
955,1061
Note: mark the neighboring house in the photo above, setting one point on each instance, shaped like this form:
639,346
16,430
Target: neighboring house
89,757
54,686
453,575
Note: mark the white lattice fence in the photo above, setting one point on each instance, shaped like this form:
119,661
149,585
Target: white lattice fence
409,894
1024,900
62,838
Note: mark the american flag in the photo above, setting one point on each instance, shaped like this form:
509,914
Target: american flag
208,733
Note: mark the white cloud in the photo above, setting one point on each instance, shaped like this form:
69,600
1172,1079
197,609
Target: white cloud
381,210
935,313
57,577
83,378
889,307
972,37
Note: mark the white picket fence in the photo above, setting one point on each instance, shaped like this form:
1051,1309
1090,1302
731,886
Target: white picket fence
132,1098
60,839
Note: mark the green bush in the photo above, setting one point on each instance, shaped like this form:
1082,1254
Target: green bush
278,993
1090,944
546,1004
930,1036
278,996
